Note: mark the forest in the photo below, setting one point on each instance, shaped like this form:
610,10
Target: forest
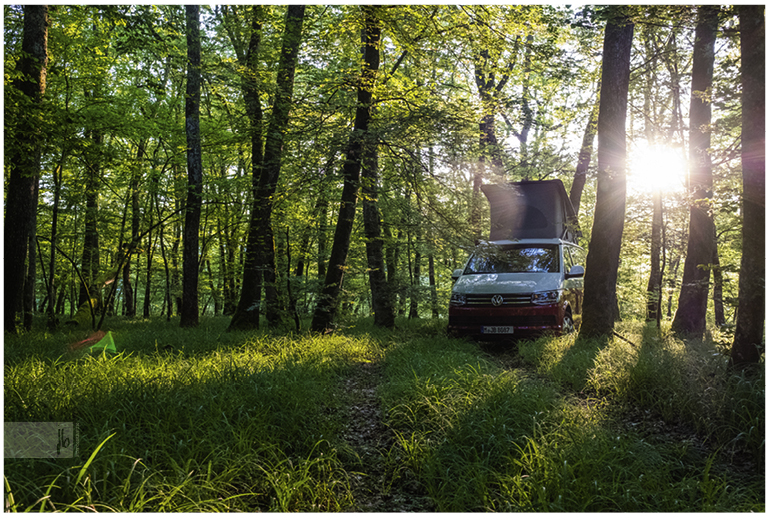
251,196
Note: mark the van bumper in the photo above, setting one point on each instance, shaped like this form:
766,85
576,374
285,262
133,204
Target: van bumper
491,322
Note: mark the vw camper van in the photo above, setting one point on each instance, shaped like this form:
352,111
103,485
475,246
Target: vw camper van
528,278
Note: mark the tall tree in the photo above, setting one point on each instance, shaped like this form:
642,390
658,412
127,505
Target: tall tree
607,231
690,317
189,311
584,159
260,250
24,156
382,297
326,308
749,329
247,311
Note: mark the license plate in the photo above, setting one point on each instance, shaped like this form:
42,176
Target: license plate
497,329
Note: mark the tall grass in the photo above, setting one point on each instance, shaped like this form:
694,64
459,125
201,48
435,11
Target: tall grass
210,422
203,420
681,380
480,437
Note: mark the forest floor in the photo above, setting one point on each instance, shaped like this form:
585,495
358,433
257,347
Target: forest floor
366,420
376,489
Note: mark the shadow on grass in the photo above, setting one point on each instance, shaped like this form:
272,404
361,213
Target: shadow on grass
218,422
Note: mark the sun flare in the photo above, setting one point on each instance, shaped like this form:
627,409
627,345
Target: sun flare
657,167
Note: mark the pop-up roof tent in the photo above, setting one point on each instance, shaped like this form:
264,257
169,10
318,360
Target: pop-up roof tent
531,209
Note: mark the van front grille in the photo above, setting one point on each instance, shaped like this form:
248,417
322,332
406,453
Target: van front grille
508,300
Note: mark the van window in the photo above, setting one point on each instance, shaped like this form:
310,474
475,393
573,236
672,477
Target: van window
514,259
578,256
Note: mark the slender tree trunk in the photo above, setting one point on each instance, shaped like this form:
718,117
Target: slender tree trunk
749,329
604,251
584,159
52,310
91,258
148,272
189,311
672,284
167,299
433,291
527,112
128,289
321,209
30,279
656,273
24,159
175,282
690,317
289,290
382,298
414,298
326,309
719,307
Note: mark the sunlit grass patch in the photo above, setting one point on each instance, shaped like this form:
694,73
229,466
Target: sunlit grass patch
216,422
478,437
459,416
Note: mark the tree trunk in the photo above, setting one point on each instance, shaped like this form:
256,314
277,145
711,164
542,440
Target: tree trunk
489,90
52,309
656,273
432,281
90,258
584,159
30,279
690,317
259,267
414,293
326,309
719,306
749,329
271,171
382,298
128,289
189,311
148,271
24,158
604,251
247,311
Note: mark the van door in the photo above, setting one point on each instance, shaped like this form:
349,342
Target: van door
573,285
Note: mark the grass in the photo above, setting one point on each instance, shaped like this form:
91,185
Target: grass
203,420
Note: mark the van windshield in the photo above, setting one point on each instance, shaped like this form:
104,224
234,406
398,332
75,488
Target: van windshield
514,259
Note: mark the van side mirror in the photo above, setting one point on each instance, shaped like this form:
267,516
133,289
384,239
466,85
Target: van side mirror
576,271
457,273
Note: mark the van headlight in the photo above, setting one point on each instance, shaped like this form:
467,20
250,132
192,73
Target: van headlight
457,299
545,298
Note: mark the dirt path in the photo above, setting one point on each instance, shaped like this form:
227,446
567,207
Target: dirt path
374,486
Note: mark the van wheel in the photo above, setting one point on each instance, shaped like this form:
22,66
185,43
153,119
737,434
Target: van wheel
567,326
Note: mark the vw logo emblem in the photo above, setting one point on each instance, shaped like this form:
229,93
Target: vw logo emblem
497,300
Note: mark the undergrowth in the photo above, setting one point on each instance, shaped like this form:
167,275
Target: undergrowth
204,420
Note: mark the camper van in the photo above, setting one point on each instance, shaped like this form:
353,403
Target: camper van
528,277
